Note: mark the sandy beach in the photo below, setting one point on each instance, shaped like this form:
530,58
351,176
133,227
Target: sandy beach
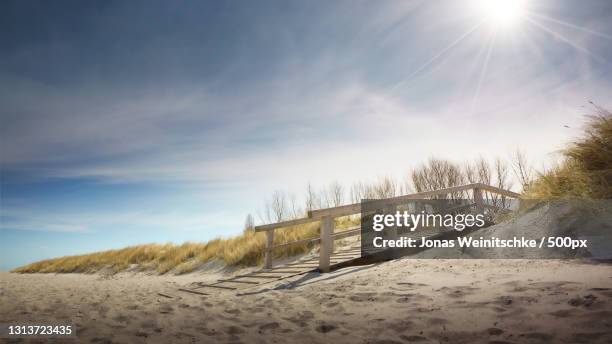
402,301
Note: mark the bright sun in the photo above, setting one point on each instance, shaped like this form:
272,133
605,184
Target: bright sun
500,14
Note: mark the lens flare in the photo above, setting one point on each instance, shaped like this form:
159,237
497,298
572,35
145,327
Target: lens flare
501,14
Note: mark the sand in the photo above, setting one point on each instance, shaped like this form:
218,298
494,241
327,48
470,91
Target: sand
401,301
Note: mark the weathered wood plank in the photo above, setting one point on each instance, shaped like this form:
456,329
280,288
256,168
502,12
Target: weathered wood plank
268,253
355,208
346,233
201,285
236,281
499,191
256,276
336,236
297,242
282,224
478,200
192,291
325,248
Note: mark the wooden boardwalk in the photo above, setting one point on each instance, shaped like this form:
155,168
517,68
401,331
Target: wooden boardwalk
328,259
275,274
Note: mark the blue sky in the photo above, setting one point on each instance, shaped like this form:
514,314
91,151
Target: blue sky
126,122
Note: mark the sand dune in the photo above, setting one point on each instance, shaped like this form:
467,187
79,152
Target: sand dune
402,301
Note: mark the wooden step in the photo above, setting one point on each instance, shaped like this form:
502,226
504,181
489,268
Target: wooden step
237,281
213,286
256,276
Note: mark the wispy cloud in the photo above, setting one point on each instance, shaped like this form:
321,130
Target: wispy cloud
74,222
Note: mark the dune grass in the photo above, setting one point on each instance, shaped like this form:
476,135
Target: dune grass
586,171
246,249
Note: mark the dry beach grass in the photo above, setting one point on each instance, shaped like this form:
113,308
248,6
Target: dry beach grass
246,249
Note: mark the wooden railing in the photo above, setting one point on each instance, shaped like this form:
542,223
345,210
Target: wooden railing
326,218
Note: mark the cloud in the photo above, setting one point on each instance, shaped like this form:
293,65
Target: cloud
321,106
89,222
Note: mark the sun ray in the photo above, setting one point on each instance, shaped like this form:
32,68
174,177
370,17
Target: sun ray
573,26
482,50
436,56
566,40
483,72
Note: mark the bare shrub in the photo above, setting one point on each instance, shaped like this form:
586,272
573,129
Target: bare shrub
295,211
522,169
335,194
313,200
386,187
437,174
276,207
249,223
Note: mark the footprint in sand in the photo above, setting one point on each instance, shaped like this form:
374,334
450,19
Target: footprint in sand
207,331
302,318
494,331
233,311
411,339
148,324
141,334
405,298
306,315
588,337
103,310
555,287
564,313
326,327
401,325
437,321
268,327
121,318
537,336
256,309
584,301
607,292
362,297
504,300
165,309
233,330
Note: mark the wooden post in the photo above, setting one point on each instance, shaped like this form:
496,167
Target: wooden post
332,241
269,244
391,232
478,200
327,228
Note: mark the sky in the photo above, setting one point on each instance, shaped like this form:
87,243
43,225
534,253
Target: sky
130,122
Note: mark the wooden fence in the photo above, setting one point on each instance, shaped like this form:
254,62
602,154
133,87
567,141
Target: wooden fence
326,218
